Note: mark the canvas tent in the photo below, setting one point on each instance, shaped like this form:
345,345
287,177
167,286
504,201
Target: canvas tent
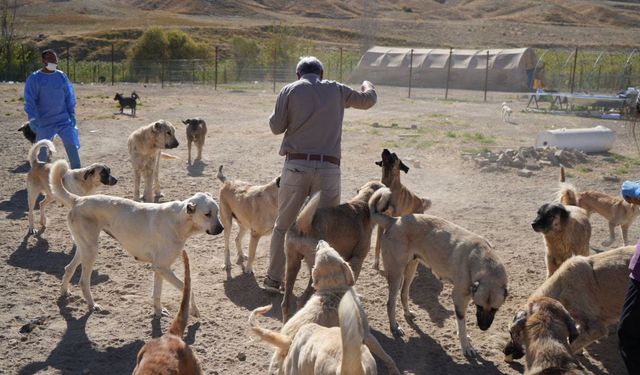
509,69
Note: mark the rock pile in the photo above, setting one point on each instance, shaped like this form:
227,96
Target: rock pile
527,159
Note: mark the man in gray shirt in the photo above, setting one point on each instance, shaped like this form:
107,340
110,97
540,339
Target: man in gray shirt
309,112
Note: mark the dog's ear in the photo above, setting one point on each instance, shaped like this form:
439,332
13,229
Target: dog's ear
379,163
157,126
403,167
186,122
562,212
89,173
567,319
208,194
348,274
518,324
474,287
191,208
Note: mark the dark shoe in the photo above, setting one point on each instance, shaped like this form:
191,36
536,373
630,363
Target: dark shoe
271,285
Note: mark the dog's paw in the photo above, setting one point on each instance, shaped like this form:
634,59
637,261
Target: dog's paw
32,231
607,243
226,267
161,312
247,270
469,351
397,331
410,315
99,309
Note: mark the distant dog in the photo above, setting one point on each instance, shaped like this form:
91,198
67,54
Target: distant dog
332,279
145,145
29,134
82,181
616,210
452,252
403,201
346,227
592,289
254,207
127,102
196,132
545,329
151,233
506,112
169,353
566,231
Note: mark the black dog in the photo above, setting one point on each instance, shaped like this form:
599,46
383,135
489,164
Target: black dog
127,102
27,132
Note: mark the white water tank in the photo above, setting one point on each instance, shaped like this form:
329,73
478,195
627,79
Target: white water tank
598,139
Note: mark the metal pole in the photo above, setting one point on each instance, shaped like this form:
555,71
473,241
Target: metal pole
162,73
215,73
112,67
193,72
340,64
446,90
410,70
273,69
68,58
486,77
573,70
599,71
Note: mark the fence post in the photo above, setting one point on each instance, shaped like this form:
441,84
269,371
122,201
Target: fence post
215,73
162,74
193,72
68,58
410,70
486,77
273,68
446,90
340,64
75,79
23,62
599,71
112,67
573,70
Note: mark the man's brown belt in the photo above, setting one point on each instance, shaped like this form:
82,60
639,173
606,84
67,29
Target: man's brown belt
317,157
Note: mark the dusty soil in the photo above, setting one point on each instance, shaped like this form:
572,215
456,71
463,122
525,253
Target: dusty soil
499,206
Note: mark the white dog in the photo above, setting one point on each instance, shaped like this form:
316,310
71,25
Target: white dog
152,233
506,112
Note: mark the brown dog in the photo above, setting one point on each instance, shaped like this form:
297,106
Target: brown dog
616,210
145,146
332,278
81,181
403,201
254,207
452,252
592,289
347,228
545,330
196,132
169,354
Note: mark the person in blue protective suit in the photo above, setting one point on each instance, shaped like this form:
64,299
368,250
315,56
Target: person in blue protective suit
50,104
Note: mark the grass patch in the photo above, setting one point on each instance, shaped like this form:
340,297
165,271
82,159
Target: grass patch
390,144
437,115
475,150
583,169
374,132
451,134
479,137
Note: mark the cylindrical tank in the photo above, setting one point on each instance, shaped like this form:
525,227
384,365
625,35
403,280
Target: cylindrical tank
598,139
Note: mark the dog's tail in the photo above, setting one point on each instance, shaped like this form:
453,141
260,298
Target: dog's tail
166,156
352,324
304,220
135,96
567,194
180,321
58,170
562,176
221,175
379,202
276,339
35,149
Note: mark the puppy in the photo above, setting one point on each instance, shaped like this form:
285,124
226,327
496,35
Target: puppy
196,132
169,353
254,207
346,227
145,145
28,134
332,279
506,112
81,181
566,231
545,329
592,289
151,233
616,210
452,252
403,201
125,102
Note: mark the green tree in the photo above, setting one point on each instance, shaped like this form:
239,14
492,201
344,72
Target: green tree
152,45
280,51
245,54
181,46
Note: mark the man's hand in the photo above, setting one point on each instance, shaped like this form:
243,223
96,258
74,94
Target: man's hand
366,86
33,124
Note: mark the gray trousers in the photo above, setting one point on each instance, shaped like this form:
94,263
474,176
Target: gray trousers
299,180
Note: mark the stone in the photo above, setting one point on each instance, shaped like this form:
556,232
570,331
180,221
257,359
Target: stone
524,173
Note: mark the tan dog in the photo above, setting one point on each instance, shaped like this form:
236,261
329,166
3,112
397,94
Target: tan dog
81,181
403,201
196,132
616,210
545,330
332,278
566,231
169,354
347,227
151,233
254,207
452,252
145,145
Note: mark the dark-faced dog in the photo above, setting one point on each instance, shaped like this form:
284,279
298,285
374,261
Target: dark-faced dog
196,132
29,134
129,102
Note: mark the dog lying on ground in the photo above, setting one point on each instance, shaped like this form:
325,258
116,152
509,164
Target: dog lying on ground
151,233
332,278
566,230
81,181
506,112
145,145
169,353
196,132
592,289
346,227
403,201
129,102
452,252
545,330
254,207
28,134
616,210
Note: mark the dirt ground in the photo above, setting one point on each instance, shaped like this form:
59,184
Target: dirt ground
498,205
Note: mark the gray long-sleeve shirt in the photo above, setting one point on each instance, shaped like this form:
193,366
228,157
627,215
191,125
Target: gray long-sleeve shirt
309,112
